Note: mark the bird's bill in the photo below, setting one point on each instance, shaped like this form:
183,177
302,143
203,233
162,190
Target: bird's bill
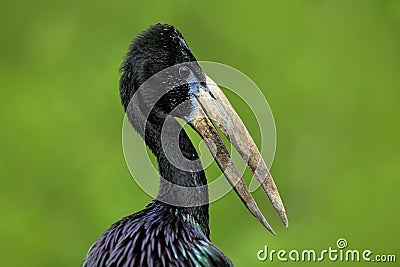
212,104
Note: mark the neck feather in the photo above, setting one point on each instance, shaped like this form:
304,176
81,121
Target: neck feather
183,184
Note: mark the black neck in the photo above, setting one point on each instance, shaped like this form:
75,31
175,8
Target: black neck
183,184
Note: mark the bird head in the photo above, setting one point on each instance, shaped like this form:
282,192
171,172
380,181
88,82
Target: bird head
161,77
161,53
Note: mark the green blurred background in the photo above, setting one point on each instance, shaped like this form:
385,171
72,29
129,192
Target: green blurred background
329,69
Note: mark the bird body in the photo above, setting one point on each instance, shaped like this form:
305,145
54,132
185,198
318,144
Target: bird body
159,235
161,80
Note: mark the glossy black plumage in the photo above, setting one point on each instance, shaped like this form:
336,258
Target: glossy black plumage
161,234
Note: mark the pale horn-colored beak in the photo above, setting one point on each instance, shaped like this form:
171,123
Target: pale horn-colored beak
211,103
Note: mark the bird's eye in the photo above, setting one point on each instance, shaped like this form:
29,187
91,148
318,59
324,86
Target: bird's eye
184,72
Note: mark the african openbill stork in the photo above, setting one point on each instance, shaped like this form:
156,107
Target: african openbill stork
161,80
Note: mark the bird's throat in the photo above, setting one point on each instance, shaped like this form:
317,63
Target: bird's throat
183,184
